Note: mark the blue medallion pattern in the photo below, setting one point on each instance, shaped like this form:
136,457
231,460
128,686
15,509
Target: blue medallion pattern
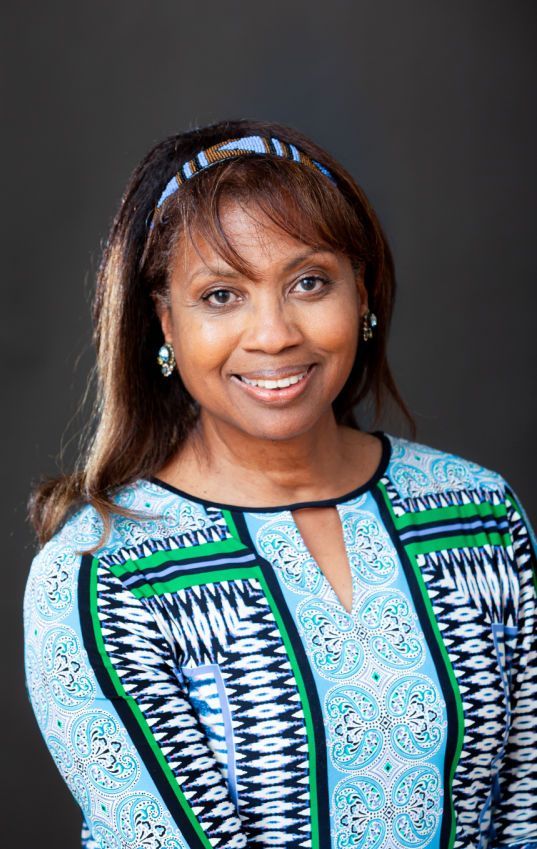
86,738
199,684
378,722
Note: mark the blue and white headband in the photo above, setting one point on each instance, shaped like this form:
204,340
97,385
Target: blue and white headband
260,145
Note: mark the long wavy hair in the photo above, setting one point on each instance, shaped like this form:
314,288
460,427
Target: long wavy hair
139,419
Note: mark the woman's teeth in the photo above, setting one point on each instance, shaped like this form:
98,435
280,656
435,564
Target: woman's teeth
275,384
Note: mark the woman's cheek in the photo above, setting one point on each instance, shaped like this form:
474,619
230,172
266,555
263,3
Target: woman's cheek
335,329
206,344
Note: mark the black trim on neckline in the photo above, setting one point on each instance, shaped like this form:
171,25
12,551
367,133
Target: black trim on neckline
324,502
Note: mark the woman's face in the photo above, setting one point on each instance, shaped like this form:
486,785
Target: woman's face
299,318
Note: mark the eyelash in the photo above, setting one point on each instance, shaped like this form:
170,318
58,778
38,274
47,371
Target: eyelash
325,280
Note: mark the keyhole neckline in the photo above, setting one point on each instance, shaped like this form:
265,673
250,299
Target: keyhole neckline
324,579
280,508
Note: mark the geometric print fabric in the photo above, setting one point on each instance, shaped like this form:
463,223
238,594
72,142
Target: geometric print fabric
382,704
198,683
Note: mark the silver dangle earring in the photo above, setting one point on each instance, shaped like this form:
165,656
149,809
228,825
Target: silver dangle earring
166,359
369,323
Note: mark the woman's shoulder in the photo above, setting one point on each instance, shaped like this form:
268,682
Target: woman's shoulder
52,581
159,517
417,469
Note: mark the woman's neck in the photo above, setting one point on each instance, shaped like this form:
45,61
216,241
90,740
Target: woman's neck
219,464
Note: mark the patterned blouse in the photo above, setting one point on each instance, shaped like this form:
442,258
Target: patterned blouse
198,683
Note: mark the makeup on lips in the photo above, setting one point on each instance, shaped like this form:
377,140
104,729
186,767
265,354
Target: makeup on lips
276,389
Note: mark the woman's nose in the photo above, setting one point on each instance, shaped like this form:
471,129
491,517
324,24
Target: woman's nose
271,325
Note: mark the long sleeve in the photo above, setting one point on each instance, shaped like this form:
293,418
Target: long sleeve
111,704
514,817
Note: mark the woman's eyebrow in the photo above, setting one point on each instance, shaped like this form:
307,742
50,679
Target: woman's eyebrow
304,256
207,271
293,263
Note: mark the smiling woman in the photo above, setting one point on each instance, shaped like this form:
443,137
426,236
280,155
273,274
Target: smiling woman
298,318
252,622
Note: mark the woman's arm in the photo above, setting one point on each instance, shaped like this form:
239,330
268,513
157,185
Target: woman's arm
102,681
514,815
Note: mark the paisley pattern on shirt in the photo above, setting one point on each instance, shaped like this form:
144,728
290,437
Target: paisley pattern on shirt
88,743
198,683
377,720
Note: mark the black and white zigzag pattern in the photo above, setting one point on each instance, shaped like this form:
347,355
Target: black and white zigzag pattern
142,659
453,579
231,625
483,598
518,805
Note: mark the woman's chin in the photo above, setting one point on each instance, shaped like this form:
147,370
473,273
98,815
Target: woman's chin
280,425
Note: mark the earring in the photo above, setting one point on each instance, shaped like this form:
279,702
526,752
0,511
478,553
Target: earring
369,322
166,359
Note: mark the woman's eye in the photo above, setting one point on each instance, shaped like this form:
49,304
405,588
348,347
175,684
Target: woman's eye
217,293
312,281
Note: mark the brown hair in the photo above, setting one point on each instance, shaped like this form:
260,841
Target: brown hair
139,418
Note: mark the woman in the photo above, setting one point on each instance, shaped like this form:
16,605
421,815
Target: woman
251,622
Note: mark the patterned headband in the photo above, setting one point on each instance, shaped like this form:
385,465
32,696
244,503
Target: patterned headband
259,145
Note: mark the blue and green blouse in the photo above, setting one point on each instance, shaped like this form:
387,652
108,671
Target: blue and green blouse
199,684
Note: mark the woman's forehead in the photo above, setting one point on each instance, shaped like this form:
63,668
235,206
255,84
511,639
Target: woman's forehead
250,233
190,263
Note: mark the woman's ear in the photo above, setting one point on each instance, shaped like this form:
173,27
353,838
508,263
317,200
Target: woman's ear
359,275
162,309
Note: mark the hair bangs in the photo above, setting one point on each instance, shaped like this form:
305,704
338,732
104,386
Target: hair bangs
298,200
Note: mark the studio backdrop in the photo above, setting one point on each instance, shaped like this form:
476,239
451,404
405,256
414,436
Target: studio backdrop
428,105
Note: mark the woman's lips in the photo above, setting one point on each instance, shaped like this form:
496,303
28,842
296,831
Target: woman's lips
288,393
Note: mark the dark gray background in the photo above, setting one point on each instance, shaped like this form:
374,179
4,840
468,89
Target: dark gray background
431,107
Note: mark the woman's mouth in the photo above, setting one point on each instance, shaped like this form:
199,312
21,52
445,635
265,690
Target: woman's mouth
284,389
